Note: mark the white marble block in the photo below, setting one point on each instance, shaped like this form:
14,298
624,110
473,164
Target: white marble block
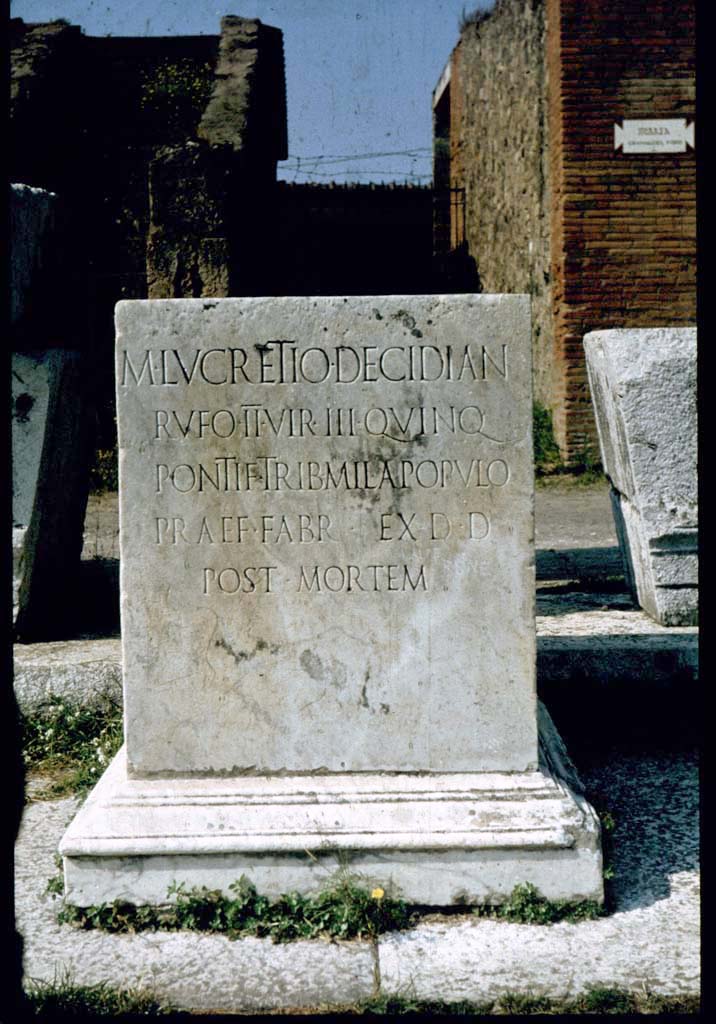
643,385
327,548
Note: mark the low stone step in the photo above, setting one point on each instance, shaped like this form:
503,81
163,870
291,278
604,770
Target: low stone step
597,638
81,671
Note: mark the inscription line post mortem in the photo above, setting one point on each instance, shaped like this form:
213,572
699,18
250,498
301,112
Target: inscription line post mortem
327,544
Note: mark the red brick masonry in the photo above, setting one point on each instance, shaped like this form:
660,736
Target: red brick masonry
623,226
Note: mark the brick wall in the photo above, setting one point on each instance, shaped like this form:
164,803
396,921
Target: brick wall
623,226
598,238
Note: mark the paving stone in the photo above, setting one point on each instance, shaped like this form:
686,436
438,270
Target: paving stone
651,940
188,970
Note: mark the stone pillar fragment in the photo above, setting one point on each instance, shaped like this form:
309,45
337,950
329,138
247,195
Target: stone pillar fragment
643,386
188,247
50,450
247,109
49,489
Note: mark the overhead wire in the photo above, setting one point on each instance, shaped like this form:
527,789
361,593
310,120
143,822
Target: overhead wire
331,174
308,166
415,150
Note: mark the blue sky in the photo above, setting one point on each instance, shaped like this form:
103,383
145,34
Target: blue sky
359,73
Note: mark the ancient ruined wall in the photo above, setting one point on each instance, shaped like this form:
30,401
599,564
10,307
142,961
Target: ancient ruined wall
87,115
499,149
623,227
200,119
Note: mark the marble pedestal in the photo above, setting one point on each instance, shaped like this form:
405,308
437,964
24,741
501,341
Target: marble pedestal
328,631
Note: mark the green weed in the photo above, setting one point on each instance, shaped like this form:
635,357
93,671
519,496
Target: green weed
104,472
176,92
526,905
70,743
62,996
608,825
344,910
546,451
607,1000
594,1001
584,468
586,464
392,1005
56,884
512,1003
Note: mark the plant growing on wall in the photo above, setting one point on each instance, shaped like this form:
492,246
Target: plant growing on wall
175,92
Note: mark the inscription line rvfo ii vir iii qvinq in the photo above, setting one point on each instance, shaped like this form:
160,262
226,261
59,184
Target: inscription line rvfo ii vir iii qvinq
326,512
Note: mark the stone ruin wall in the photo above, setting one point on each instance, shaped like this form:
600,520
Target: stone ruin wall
153,103
499,147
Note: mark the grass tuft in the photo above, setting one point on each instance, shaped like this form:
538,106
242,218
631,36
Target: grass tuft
62,996
595,1000
72,744
392,1005
344,910
583,469
548,458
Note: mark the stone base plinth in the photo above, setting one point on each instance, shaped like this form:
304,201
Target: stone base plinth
437,839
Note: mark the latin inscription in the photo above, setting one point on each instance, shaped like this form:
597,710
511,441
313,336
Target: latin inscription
283,362
245,424
327,535
404,424
269,473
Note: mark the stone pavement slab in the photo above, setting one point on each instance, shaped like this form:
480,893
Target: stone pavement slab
189,970
570,515
650,939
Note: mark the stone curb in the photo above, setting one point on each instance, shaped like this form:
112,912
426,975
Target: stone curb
650,941
592,637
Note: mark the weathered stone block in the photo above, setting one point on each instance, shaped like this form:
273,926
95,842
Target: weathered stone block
643,385
334,539
328,593
31,216
247,109
188,246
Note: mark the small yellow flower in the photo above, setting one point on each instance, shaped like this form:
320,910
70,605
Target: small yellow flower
377,894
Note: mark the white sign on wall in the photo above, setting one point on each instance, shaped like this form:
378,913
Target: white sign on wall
671,135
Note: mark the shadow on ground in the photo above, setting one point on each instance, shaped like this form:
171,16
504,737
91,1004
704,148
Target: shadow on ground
579,564
654,800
